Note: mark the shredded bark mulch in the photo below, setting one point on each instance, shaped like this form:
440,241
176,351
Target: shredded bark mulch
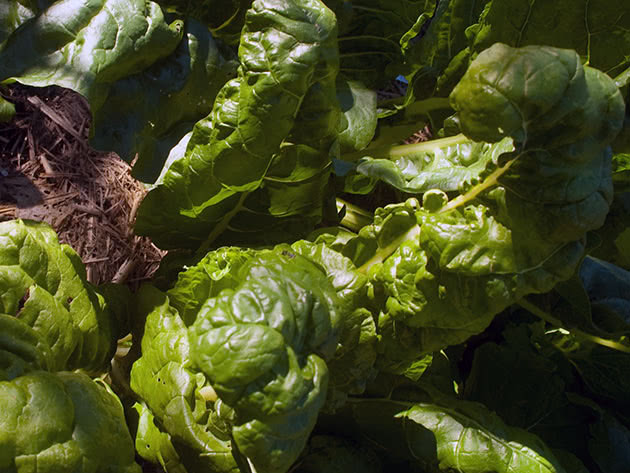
49,173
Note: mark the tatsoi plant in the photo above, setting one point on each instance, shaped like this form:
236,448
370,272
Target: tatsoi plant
463,326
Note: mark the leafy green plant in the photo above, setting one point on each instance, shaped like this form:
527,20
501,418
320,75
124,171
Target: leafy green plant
461,324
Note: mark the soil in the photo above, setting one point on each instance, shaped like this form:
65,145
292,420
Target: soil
49,173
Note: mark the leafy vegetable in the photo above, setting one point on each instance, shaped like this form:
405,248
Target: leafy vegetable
46,294
53,320
452,318
236,170
58,422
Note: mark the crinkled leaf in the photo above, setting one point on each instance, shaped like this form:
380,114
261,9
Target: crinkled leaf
263,347
218,270
21,349
165,379
451,164
44,285
149,112
352,365
86,46
154,445
52,422
269,134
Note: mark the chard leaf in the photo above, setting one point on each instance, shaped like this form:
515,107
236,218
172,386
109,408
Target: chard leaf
225,18
45,287
166,380
470,438
445,38
7,110
330,454
610,444
217,271
53,422
452,435
352,365
261,159
86,46
371,34
15,12
449,164
154,445
148,113
358,119
526,389
597,29
281,325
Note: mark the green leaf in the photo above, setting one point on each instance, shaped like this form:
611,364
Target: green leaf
597,29
330,454
472,439
269,134
610,444
7,110
358,119
60,422
263,346
86,46
453,435
44,285
225,18
352,365
522,387
428,56
15,12
449,164
371,34
166,380
148,113
154,445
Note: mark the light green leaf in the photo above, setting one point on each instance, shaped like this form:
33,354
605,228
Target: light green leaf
263,346
269,134
449,164
44,285
60,422
165,379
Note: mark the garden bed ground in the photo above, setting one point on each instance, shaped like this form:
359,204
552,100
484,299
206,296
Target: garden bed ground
48,172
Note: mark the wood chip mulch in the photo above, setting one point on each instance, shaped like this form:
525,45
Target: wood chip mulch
49,173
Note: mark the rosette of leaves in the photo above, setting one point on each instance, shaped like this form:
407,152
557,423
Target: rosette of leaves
53,321
256,168
442,271
274,337
263,347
